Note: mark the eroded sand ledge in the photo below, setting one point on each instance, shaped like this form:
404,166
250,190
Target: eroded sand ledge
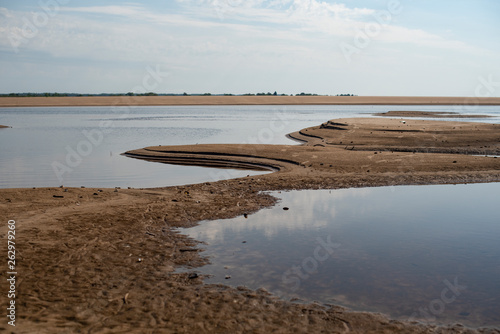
378,149
104,261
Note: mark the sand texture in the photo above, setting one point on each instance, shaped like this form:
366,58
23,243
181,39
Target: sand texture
103,260
242,100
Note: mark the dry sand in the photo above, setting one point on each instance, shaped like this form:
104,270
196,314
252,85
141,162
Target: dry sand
242,100
95,261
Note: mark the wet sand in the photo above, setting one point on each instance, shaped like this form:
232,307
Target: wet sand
103,260
242,100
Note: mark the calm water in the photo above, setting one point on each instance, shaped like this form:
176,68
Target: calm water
429,253
44,139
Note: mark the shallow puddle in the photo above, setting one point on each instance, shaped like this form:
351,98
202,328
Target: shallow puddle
427,253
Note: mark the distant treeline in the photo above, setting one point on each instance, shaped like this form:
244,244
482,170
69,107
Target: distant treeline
156,94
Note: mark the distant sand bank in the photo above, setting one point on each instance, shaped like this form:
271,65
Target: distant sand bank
240,100
3,126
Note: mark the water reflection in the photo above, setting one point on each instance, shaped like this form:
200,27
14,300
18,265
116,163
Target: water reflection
428,253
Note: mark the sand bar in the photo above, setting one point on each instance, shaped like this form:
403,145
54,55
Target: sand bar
104,260
379,150
241,100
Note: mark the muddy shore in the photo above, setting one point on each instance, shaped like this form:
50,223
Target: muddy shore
103,260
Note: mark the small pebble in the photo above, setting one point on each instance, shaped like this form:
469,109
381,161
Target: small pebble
286,208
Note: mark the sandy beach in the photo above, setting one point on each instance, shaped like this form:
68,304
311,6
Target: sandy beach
466,102
104,260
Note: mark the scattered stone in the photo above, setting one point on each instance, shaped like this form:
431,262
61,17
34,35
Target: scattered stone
58,196
139,259
245,215
243,242
83,187
286,208
227,277
193,276
96,194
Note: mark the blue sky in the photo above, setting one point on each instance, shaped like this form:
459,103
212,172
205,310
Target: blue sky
365,47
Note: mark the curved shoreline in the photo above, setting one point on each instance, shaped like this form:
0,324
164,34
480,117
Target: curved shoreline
105,259
340,147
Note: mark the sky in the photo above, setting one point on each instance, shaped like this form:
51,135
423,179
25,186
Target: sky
362,47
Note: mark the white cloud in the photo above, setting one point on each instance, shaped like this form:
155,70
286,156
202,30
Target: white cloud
284,42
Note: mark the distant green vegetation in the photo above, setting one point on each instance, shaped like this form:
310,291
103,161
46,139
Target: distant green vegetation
156,94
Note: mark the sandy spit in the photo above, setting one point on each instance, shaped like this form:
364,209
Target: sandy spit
103,260
241,100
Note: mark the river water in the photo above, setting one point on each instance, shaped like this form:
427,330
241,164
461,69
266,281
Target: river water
426,253
81,146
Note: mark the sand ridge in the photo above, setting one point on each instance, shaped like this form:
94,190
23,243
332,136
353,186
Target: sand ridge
367,146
